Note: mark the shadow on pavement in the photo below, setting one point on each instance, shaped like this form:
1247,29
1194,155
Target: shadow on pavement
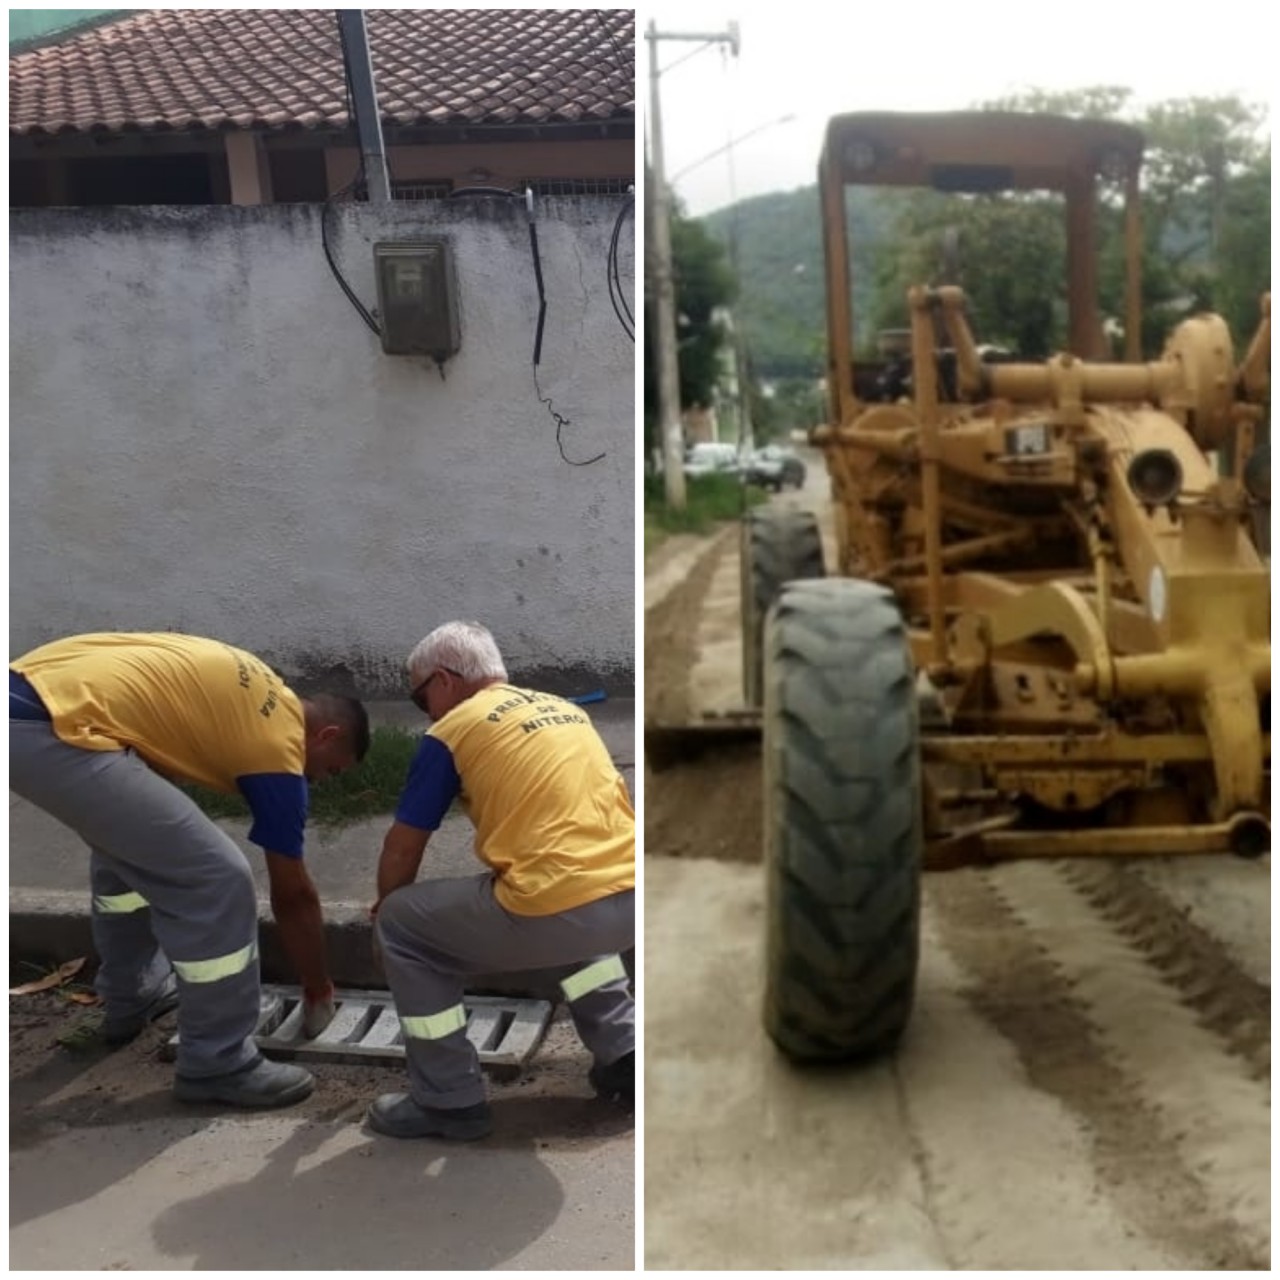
371,1204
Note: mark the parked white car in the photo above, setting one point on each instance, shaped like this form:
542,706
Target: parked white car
707,458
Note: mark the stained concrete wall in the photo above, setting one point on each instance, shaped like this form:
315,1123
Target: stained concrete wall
205,437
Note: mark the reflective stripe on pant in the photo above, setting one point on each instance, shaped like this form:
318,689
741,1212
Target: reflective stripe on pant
593,977
131,968
151,841
436,933
437,1026
119,904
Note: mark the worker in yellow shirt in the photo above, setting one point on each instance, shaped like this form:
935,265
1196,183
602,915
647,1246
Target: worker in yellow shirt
100,727
555,827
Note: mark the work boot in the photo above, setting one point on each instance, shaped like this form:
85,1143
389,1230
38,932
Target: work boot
260,1084
617,1081
117,1030
399,1116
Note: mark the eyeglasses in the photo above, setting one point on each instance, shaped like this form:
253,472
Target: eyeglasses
418,696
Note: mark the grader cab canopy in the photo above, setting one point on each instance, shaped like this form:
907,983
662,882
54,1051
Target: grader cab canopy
984,152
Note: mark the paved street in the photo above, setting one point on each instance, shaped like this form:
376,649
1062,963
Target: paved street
107,1171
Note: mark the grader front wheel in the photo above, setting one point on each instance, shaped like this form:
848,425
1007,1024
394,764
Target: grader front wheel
844,831
777,547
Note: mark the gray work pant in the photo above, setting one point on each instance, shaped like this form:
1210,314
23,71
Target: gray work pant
168,886
435,933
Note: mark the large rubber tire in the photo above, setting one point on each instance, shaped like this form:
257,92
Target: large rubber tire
777,547
843,816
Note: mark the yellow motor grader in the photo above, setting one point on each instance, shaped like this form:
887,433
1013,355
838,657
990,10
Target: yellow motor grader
1048,632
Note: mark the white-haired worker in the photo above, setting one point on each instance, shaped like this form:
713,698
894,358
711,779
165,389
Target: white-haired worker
556,829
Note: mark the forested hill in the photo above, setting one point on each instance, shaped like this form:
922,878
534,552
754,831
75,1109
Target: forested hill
779,268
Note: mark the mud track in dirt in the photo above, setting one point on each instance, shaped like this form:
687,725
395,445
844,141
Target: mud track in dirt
1085,1083
722,788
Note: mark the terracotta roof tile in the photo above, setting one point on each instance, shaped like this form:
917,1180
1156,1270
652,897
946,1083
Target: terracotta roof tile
180,69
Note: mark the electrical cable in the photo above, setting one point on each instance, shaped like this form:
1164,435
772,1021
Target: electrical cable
560,420
617,298
482,191
537,275
357,181
627,76
365,314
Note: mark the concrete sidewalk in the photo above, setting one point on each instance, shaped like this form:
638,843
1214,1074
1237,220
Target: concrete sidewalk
49,874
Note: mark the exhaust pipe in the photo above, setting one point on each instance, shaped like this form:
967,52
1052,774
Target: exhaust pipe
1249,835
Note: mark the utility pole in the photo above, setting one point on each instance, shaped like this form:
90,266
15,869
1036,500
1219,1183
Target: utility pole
663,278
742,363
364,97
746,428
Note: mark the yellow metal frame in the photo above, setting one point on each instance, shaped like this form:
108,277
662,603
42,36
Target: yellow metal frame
1146,647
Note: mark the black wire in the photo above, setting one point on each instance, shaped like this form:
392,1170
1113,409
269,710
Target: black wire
617,236
365,315
617,297
482,191
561,422
542,297
617,51
358,180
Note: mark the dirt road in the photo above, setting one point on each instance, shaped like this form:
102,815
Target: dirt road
1084,1085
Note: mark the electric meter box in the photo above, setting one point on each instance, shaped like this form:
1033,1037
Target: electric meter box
417,298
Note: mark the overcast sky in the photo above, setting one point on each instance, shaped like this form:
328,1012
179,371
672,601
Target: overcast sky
813,61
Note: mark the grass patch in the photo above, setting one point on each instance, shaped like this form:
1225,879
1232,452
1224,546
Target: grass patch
654,534
370,789
709,500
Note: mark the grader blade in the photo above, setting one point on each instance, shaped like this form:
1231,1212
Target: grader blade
668,745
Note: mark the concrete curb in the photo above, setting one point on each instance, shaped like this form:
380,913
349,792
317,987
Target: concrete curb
54,925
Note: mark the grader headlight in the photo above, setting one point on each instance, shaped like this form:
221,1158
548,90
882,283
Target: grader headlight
1155,476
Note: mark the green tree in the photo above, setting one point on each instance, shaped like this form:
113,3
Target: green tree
796,404
1093,102
1006,251
1206,187
1207,206
704,285
1244,249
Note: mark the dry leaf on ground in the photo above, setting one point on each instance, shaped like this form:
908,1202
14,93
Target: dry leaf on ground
54,979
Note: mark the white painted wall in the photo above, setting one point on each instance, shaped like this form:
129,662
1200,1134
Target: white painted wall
205,437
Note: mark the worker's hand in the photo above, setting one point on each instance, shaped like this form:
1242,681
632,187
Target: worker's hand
373,939
318,1010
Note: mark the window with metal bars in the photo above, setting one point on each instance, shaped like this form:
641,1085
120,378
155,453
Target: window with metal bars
420,190
576,186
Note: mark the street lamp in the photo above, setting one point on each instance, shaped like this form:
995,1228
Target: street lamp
746,431
728,146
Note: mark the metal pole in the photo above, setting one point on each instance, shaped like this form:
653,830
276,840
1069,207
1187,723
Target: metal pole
746,428
355,53
664,299
662,277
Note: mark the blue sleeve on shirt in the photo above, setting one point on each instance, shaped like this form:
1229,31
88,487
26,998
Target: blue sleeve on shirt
431,787
24,701
278,802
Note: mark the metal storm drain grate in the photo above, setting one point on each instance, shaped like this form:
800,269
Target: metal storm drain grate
506,1032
